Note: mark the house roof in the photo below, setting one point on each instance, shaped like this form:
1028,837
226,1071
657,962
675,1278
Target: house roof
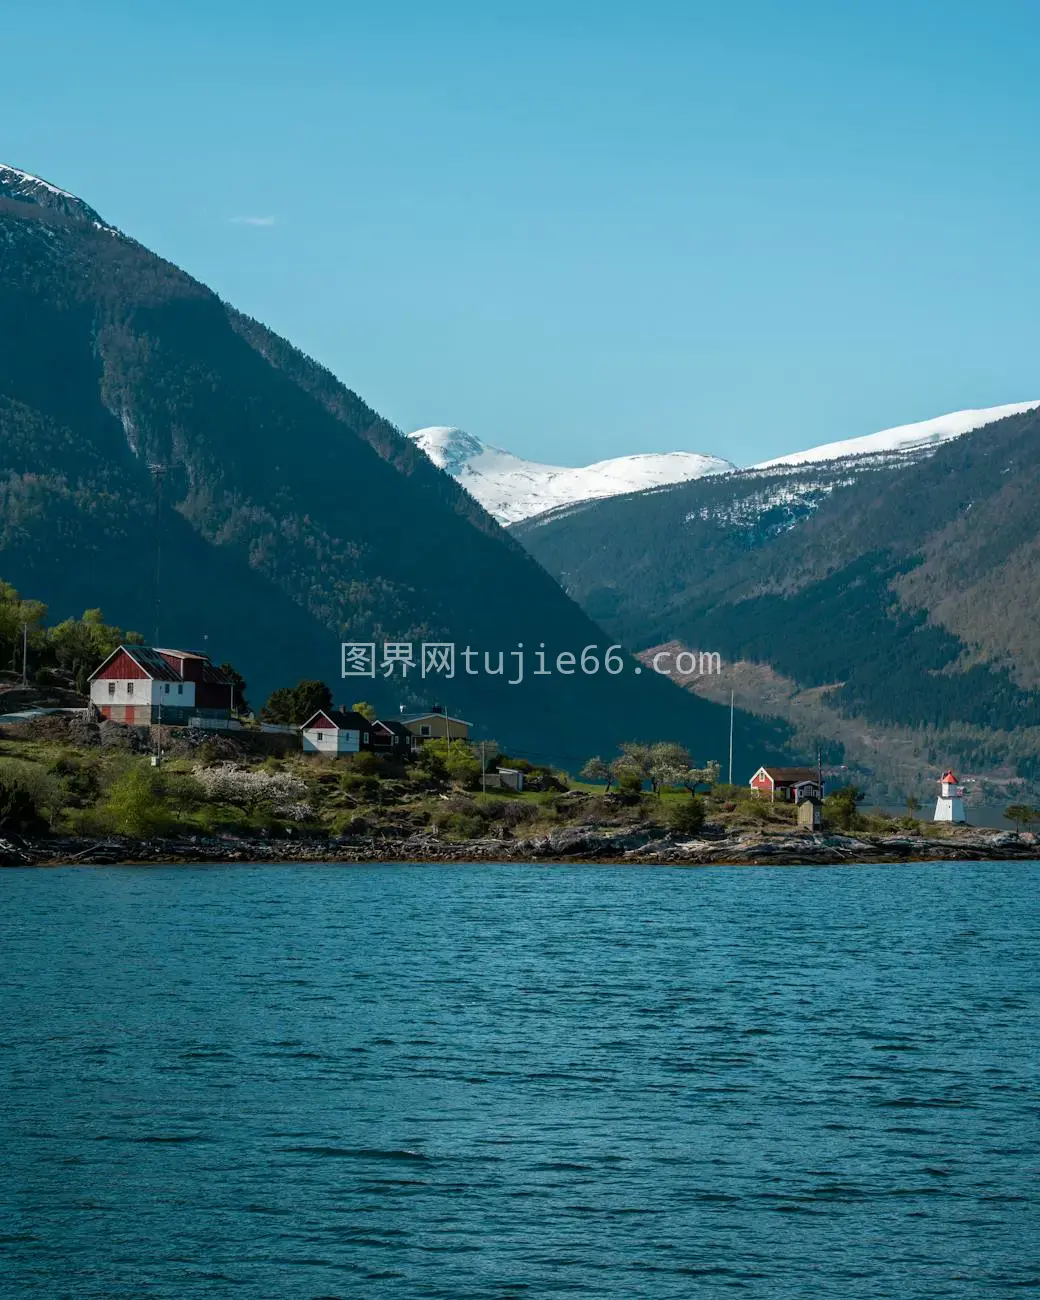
341,719
421,717
149,660
791,775
392,725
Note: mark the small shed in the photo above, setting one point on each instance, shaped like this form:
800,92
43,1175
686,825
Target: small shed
810,813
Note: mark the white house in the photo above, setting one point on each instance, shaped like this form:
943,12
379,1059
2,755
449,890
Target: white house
336,731
140,685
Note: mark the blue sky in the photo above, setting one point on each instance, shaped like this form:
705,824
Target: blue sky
577,230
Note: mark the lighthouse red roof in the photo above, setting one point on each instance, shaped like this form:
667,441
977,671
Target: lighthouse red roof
948,777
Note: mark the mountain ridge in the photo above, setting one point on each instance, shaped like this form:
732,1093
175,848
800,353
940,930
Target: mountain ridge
292,516
512,488
515,490
903,587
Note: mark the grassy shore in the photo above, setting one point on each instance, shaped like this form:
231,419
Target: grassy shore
77,792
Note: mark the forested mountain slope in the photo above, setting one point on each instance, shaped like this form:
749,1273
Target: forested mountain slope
909,590
292,515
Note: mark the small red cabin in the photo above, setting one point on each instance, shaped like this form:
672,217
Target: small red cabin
788,784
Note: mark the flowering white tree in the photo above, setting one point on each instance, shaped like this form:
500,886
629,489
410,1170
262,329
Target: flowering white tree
229,783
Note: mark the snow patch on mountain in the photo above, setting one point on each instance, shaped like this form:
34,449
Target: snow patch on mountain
512,489
904,437
27,188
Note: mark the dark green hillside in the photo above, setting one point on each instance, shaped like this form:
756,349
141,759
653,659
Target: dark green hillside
293,516
910,589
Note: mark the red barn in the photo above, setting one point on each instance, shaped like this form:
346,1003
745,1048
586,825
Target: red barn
139,685
788,784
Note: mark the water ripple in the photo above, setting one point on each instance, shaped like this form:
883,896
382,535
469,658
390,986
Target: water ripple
395,1083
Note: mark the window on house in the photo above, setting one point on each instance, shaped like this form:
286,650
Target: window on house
424,729
180,688
129,688
111,688
167,688
364,739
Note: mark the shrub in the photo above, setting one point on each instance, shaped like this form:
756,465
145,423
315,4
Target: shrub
629,783
135,805
349,824
215,818
366,764
686,816
463,826
29,798
454,759
840,807
359,785
509,812
80,778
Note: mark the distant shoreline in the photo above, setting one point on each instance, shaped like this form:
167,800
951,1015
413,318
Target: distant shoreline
576,846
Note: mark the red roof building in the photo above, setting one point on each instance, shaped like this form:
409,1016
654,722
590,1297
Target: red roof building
788,784
141,685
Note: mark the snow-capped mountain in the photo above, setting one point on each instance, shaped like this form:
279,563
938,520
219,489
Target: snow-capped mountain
512,489
904,437
26,188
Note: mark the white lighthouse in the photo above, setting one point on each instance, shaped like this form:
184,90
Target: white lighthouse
949,807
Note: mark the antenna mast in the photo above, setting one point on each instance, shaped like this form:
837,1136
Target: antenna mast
158,473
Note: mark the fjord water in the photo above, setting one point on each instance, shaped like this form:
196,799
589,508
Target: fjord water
519,1081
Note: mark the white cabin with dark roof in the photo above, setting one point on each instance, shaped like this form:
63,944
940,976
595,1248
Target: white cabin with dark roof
336,731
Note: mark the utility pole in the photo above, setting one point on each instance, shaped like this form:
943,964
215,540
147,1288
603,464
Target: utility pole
158,733
731,737
483,770
158,473
25,654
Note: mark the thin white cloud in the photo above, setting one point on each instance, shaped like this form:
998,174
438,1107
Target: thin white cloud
252,221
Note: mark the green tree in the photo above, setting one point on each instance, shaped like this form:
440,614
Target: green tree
238,684
16,614
597,772
29,798
455,758
913,805
628,781
291,706
135,805
1022,814
311,696
635,760
280,708
366,710
842,804
686,816
79,645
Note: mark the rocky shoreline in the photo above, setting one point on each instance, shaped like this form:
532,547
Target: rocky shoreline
643,845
